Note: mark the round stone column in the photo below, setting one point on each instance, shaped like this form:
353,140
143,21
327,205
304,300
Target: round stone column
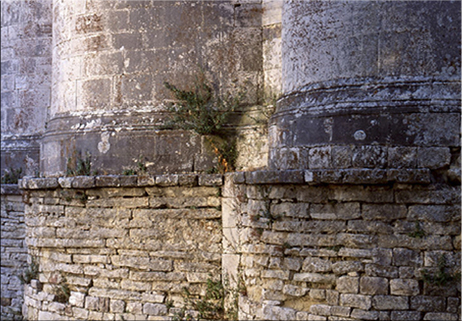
110,61
368,84
26,81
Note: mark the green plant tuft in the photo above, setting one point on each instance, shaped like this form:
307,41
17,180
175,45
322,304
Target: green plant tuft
11,176
270,216
201,111
212,305
418,232
30,273
62,291
441,277
130,171
77,166
139,170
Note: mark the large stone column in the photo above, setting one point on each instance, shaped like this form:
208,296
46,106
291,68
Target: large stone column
26,81
110,60
368,84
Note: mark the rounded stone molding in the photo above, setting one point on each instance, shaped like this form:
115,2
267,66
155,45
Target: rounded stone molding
364,82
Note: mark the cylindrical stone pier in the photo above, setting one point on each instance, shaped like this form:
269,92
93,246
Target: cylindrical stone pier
368,84
26,82
110,61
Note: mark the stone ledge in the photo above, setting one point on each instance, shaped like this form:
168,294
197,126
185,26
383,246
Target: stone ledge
311,177
10,189
86,182
342,176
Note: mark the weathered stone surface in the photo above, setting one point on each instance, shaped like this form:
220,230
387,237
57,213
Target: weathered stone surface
355,301
406,315
384,212
406,257
345,220
167,180
364,315
440,316
388,302
154,309
346,284
83,182
427,303
434,213
373,285
271,312
404,287
117,306
211,180
433,157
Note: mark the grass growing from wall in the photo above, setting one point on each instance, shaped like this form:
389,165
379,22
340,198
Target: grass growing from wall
11,176
30,272
212,305
206,114
79,166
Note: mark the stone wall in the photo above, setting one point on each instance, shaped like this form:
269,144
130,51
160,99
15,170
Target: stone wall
13,251
26,81
124,246
307,249
296,245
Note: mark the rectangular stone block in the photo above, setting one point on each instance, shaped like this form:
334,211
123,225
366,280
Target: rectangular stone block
314,264
406,315
135,286
211,180
275,274
358,314
427,303
83,182
315,278
356,301
135,202
437,316
373,285
77,299
389,302
154,309
373,194
408,287
434,213
447,195
114,294
97,304
117,306
344,267
348,284
384,212
372,227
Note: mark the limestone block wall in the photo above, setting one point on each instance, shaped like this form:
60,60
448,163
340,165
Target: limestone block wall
26,35
318,250
122,246
13,251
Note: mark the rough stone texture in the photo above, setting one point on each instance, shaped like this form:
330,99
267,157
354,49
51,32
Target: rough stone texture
119,250
26,33
360,200
350,101
110,62
14,252
344,246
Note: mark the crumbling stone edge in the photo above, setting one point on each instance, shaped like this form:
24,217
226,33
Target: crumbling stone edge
10,189
311,177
